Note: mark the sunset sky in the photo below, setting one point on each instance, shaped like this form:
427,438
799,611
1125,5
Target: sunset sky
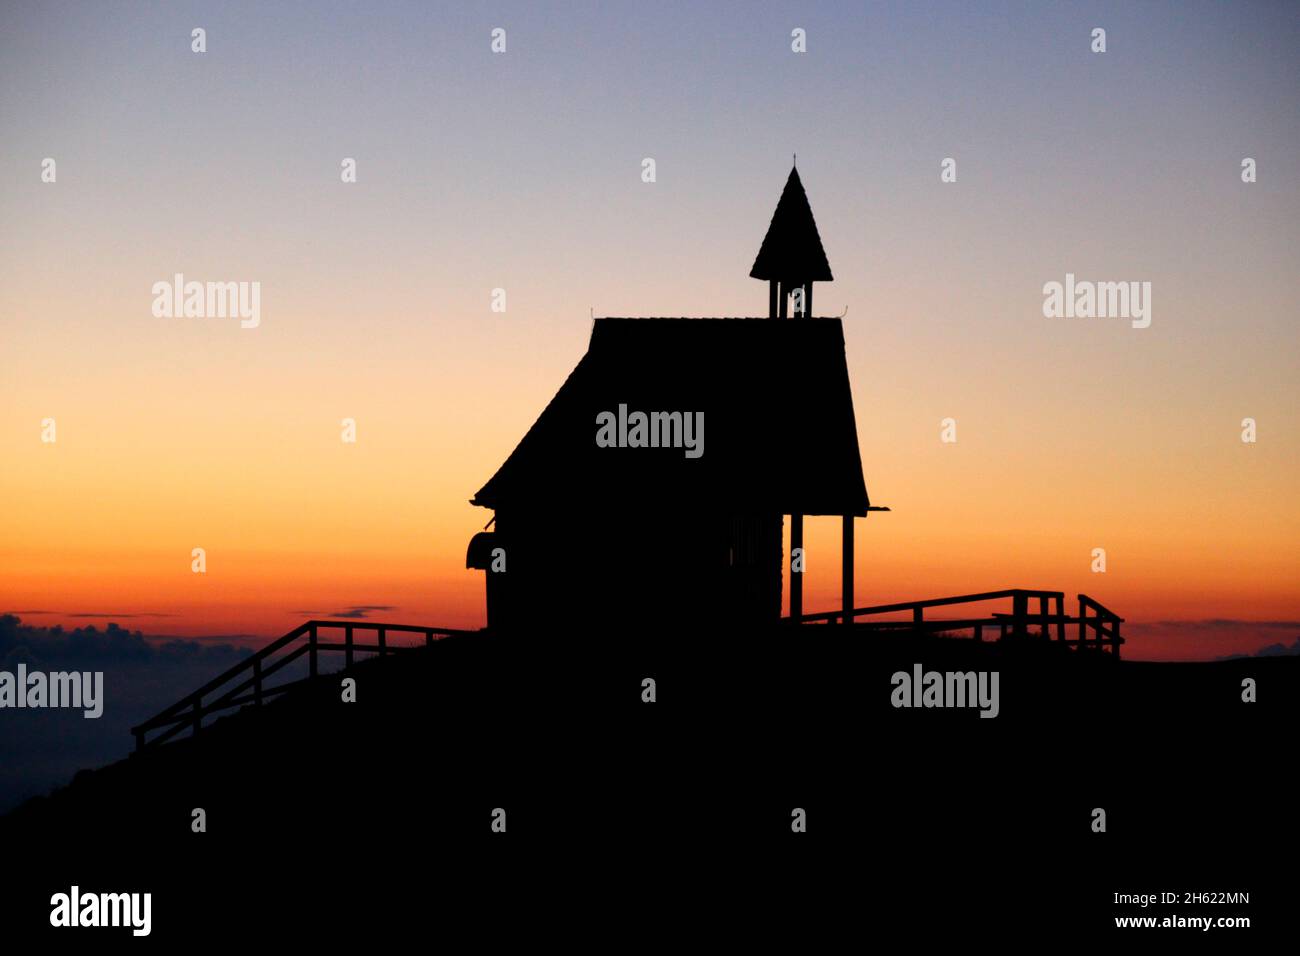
522,171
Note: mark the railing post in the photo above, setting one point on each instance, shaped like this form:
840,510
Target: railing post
383,643
1060,618
1114,641
846,569
1019,612
347,645
311,653
257,681
918,617
979,632
1083,622
428,638
1042,613
796,577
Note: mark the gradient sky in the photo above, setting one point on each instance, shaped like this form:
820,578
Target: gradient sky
522,171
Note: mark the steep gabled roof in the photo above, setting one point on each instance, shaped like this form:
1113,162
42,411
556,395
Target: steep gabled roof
779,429
792,250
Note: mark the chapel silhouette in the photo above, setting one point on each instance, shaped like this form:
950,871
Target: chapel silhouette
646,535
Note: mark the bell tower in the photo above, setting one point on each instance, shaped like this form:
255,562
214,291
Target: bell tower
791,258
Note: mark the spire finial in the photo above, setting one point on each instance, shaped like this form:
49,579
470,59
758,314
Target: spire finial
795,161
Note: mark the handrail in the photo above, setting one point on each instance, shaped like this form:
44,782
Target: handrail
1102,610
1104,623
190,709
231,672
932,602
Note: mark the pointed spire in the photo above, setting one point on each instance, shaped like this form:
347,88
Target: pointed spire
792,250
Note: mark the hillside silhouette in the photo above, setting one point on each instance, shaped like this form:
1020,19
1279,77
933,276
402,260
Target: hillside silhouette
555,731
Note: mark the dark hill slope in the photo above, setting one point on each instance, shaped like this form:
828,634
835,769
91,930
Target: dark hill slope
703,781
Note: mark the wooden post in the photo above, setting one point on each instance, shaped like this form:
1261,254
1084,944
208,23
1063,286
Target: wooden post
1060,618
918,617
846,577
796,577
347,645
383,643
1115,640
1042,613
257,681
979,632
428,638
1019,611
311,652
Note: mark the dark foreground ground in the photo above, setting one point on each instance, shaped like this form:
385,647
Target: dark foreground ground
671,821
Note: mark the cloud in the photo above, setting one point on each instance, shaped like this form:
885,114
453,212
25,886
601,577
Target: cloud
1238,632
1228,623
1280,650
111,614
1204,639
351,613
361,610
149,614
33,644
1271,650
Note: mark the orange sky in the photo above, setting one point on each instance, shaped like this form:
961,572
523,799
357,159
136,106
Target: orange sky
250,466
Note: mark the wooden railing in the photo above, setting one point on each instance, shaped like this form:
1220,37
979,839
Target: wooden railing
1103,620
246,682
1049,616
